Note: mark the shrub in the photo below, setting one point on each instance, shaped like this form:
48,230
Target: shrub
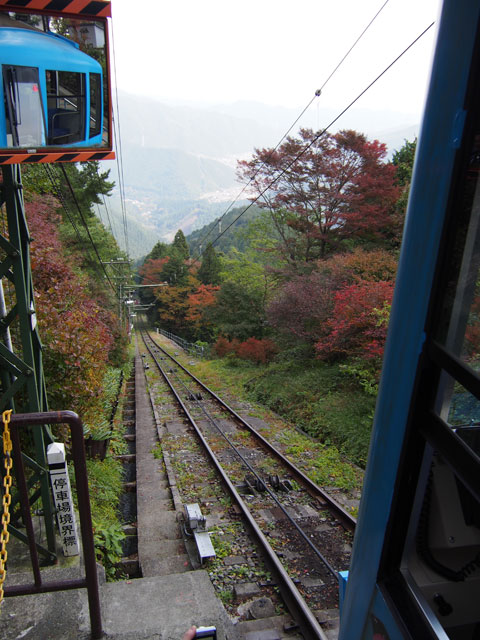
359,321
223,346
258,351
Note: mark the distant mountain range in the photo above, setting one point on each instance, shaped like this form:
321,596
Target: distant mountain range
179,161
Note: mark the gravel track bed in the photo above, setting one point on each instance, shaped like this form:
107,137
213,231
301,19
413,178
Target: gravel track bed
238,574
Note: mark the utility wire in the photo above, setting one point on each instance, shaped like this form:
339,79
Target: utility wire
59,193
118,140
316,95
320,134
352,48
108,214
84,222
60,196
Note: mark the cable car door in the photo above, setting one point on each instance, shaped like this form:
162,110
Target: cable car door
24,116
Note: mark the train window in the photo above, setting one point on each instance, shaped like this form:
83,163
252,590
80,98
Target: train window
56,82
23,106
66,106
95,104
441,557
459,319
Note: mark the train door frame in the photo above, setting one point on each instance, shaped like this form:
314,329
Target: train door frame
409,426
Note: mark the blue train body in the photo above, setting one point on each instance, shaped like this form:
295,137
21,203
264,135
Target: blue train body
52,92
415,570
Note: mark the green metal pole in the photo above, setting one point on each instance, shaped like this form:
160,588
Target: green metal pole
23,383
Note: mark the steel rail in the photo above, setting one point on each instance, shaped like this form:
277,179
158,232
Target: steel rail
347,520
252,470
296,604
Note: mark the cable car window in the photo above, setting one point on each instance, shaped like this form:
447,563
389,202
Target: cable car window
459,327
95,104
66,106
464,407
23,107
69,54
441,557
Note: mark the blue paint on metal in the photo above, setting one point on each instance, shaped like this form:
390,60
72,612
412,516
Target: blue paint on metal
342,587
458,125
380,622
424,223
47,51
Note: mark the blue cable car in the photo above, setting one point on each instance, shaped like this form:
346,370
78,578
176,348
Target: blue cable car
415,569
51,92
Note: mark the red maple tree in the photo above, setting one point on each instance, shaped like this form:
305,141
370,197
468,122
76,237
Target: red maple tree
322,190
199,301
152,270
302,306
76,330
359,321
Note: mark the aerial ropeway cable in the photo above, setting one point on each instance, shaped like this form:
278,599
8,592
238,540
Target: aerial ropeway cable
320,134
317,94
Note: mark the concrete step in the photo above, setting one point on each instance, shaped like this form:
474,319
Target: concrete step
166,565
272,628
157,608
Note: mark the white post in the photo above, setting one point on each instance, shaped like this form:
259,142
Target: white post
62,496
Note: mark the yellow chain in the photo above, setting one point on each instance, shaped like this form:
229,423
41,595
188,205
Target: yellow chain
7,498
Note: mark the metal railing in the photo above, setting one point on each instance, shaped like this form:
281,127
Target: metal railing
90,581
189,347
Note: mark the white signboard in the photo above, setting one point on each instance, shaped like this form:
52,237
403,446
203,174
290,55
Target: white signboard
62,496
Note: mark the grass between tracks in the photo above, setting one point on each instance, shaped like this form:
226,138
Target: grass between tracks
329,418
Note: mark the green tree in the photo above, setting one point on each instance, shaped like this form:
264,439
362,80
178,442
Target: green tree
180,245
238,312
403,161
35,179
89,185
209,271
160,250
175,270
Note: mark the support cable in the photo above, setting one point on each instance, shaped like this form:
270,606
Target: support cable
316,95
60,195
321,133
118,141
84,222
71,219
108,214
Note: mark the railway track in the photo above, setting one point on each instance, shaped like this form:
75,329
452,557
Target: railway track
302,533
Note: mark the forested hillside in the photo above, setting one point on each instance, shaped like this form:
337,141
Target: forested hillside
300,294
85,342
77,306
228,231
179,161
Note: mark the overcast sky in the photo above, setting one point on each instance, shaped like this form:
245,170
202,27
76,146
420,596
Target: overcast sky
273,51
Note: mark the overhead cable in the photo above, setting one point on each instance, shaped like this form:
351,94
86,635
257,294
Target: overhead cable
316,95
59,194
108,214
321,133
84,222
118,140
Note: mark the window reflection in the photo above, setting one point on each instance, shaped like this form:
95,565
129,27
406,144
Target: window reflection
459,326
